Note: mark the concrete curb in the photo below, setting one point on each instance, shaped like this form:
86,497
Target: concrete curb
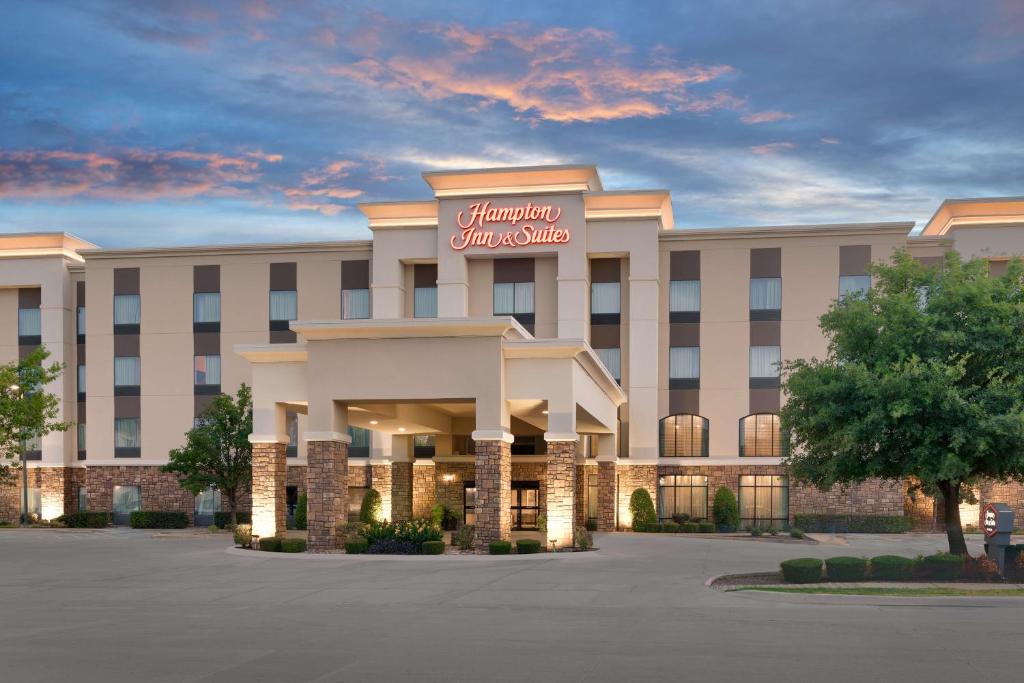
344,557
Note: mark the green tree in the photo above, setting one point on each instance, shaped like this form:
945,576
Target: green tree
924,379
641,508
371,508
27,411
217,451
302,512
725,510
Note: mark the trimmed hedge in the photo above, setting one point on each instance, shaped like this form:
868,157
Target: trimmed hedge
85,520
726,510
942,566
690,527
243,535
641,509
706,527
371,509
357,546
670,528
293,545
150,519
845,568
223,519
853,524
802,570
432,548
300,512
892,568
527,546
270,545
499,547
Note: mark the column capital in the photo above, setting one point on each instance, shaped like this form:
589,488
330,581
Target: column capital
327,436
563,436
492,435
267,438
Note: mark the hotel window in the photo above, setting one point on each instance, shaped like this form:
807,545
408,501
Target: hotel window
612,359
34,501
513,298
765,294
684,301
81,439
127,441
206,308
360,446
854,261
680,494
127,309
283,307
605,303
127,375
424,303
854,284
684,367
207,371
355,304
83,499
592,497
33,448
291,426
81,382
423,446
469,502
29,323
127,499
765,364
683,436
80,324
761,436
764,500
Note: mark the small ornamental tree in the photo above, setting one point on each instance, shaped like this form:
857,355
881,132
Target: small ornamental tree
27,411
641,509
725,510
217,452
924,380
302,512
370,510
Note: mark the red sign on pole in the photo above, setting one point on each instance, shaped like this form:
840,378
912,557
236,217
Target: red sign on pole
990,520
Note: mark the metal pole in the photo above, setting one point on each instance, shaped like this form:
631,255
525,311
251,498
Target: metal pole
24,487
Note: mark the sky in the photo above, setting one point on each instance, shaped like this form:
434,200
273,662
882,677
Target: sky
164,122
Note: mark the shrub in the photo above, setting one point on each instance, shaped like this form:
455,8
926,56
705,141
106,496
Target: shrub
542,523
942,566
527,546
653,528
755,531
846,568
706,527
356,546
371,508
680,518
641,508
499,547
796,533
293,545
344,531
670,528
892,568
415,531
85,520
802,570
853,524
591,525
223,519
980,568
437,515
393,546
463,536
148,519
271,544
584,539
212,528
243,535
432,548
772,531
725,510
300,512
690,527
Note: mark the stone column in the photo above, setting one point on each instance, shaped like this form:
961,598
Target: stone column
269,476
52,492
561,485
605,496
381,482
401,491
326,491
493,491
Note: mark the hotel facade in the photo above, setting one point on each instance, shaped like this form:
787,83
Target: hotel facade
523,344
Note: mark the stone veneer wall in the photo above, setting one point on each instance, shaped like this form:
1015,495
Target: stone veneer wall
450,493
580,492
269,477
606,483
423,494
159,490
1011,493
561,493
401,491
493,479
297,477
327,491
630,478
380,480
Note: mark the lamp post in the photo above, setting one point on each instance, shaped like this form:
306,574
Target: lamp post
16,391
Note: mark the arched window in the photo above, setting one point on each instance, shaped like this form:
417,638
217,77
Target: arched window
683,436
761,436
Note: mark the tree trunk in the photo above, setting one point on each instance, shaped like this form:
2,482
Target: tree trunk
951,516
233,506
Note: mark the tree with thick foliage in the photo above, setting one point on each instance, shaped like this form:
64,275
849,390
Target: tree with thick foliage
924,380
27,410
641,509
217,452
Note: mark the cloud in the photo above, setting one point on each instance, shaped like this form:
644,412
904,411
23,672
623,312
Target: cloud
319,189
830,141
772,147
765,117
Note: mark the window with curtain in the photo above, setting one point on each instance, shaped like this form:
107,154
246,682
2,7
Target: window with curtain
424,302
612,359
283,305
764,500
29,322
761,436
126,432
207,503
592,497
605,298
127,371
83,499
355,304
684,296
469,502
81,379
127,499
511,298
684,362
765,294
680,494
291,426
127,309
765,361
854,284
683,436
206,307
35,506
360,446
207,370
423,445
33,445
81,436
80,321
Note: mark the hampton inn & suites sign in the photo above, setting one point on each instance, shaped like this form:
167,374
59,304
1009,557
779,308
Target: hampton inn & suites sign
482,225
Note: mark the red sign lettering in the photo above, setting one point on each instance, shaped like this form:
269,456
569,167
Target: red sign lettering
472,232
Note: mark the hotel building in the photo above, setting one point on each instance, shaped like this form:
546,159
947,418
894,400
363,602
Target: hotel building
524,343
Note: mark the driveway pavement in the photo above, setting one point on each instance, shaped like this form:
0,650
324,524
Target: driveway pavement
123,605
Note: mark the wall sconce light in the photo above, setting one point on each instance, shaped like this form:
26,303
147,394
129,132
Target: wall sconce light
448,478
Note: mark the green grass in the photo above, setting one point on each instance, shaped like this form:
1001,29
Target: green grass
922,592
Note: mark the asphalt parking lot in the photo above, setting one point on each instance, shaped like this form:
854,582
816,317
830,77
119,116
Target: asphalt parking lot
122,605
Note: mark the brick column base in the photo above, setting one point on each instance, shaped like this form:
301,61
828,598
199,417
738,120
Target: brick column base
380,478
401,491
269,502
326,491
51,492
561,481
605,496
99,487
493,492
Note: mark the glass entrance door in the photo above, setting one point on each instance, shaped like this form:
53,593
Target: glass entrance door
525,504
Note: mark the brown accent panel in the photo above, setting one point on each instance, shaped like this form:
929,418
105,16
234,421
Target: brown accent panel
356,274
283,277
605,336
764,401
206,278
423,275
127,406
25,350
684,334
766,262
684,401
605,270
201,403
30,297
854,259
765,333
80,293
126,345
126,280
206,343
513,270
997,268
282,337
933,261
80,414
684,265
80,354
